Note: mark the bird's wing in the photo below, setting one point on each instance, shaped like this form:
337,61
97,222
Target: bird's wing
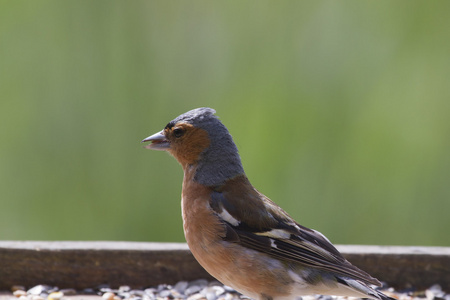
268,229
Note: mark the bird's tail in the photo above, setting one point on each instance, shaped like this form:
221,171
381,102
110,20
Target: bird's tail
383,296
362,289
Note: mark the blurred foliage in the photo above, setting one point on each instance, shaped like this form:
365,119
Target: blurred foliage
341,112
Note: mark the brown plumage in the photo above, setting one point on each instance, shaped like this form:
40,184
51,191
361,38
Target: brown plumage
239,235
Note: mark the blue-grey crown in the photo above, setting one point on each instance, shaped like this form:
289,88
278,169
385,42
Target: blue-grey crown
195,116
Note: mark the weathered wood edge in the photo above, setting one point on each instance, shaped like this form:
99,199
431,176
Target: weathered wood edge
138,264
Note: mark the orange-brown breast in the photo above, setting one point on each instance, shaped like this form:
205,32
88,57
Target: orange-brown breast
248,271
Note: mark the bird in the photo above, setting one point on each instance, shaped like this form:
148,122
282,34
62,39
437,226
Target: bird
240,236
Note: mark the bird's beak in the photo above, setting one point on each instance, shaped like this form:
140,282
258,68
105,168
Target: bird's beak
158,142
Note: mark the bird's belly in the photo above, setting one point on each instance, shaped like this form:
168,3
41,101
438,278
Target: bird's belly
247,271
250,272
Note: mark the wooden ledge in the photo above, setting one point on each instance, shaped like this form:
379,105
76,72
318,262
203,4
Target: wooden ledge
88,264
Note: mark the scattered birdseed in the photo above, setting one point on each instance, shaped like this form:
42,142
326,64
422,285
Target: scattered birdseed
41,289
55,296
17,288
19,293
108,296
194,290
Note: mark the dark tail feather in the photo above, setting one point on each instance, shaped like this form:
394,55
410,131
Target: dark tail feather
383,296
363,288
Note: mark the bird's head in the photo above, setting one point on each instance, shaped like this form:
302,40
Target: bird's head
198,138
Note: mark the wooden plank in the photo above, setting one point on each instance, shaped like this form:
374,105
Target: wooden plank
88,264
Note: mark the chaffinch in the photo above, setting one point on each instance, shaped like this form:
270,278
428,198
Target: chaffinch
240,236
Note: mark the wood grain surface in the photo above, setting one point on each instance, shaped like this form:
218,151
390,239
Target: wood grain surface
88,264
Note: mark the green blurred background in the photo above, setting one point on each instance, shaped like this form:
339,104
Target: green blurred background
341,112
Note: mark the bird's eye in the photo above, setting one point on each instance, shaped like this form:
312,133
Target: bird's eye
178,132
